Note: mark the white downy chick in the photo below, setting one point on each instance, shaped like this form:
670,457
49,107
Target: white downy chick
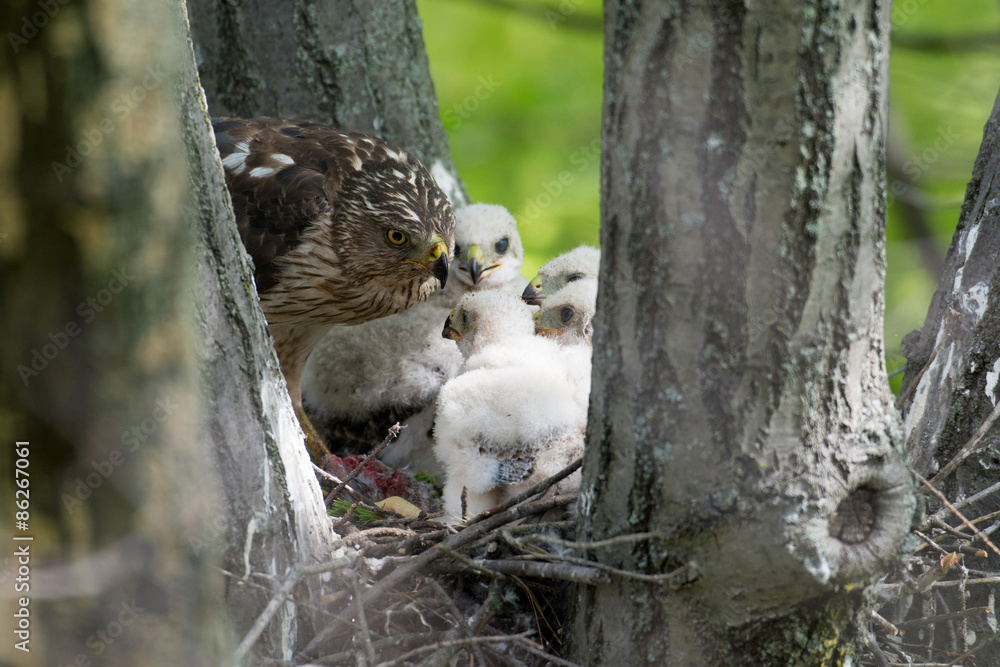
494,329
501,430
568,315
361,379
516,414
577,264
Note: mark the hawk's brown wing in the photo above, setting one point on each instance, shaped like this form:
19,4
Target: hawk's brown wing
282,176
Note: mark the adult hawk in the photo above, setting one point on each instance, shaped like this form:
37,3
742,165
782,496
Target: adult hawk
342,228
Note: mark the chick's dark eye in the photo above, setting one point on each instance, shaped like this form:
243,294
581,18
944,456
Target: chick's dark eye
458,250
465,319
396,237
502,244
573,277
566,314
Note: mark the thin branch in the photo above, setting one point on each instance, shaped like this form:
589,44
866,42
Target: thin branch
457,615
463,537
540,651
239,657
941,513
584,546
983,644
429,648
393,432
965,522
533,491
968,448
884,623
528,568
928,620
674,579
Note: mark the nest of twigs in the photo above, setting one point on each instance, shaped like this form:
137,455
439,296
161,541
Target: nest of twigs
936,609
417,591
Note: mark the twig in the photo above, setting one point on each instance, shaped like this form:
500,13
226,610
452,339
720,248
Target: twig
943,512
880,659
467,562
965,522
983,644
584,546
675,579
940,584
348,515
533,491
457,615
454,642
561,571
974,611
355,496
540,651
931,543
363,621
239,657
393,432
885,624
972,551
968,448
469,534
293,578
951,531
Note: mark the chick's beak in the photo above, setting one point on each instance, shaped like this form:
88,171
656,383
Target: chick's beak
437,262
475,263
543,331
449,331
533,294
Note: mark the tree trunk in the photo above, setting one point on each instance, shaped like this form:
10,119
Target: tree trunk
359,66
740,410
97,372
274,514
329,63
953,365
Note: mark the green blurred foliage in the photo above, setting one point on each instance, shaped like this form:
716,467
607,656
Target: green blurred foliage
520,83
520,98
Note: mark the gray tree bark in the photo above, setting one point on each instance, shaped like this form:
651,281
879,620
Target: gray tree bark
275,520
740,410
953,364
329,63
96,371
359,66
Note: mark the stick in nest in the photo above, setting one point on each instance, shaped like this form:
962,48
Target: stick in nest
418,563
393,433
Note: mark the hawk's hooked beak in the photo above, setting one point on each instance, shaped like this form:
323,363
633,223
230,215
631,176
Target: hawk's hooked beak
449,331
437,262
533,294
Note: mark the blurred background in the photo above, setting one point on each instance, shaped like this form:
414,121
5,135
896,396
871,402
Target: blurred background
519,84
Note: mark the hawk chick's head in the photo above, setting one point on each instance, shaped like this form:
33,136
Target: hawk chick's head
577,264
486,317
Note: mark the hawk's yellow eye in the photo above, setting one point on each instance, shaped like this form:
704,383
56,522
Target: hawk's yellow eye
396,237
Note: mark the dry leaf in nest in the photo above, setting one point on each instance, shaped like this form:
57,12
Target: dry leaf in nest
400,506
948,560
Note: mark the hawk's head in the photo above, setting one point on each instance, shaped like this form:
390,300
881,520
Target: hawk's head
391,209
342,227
